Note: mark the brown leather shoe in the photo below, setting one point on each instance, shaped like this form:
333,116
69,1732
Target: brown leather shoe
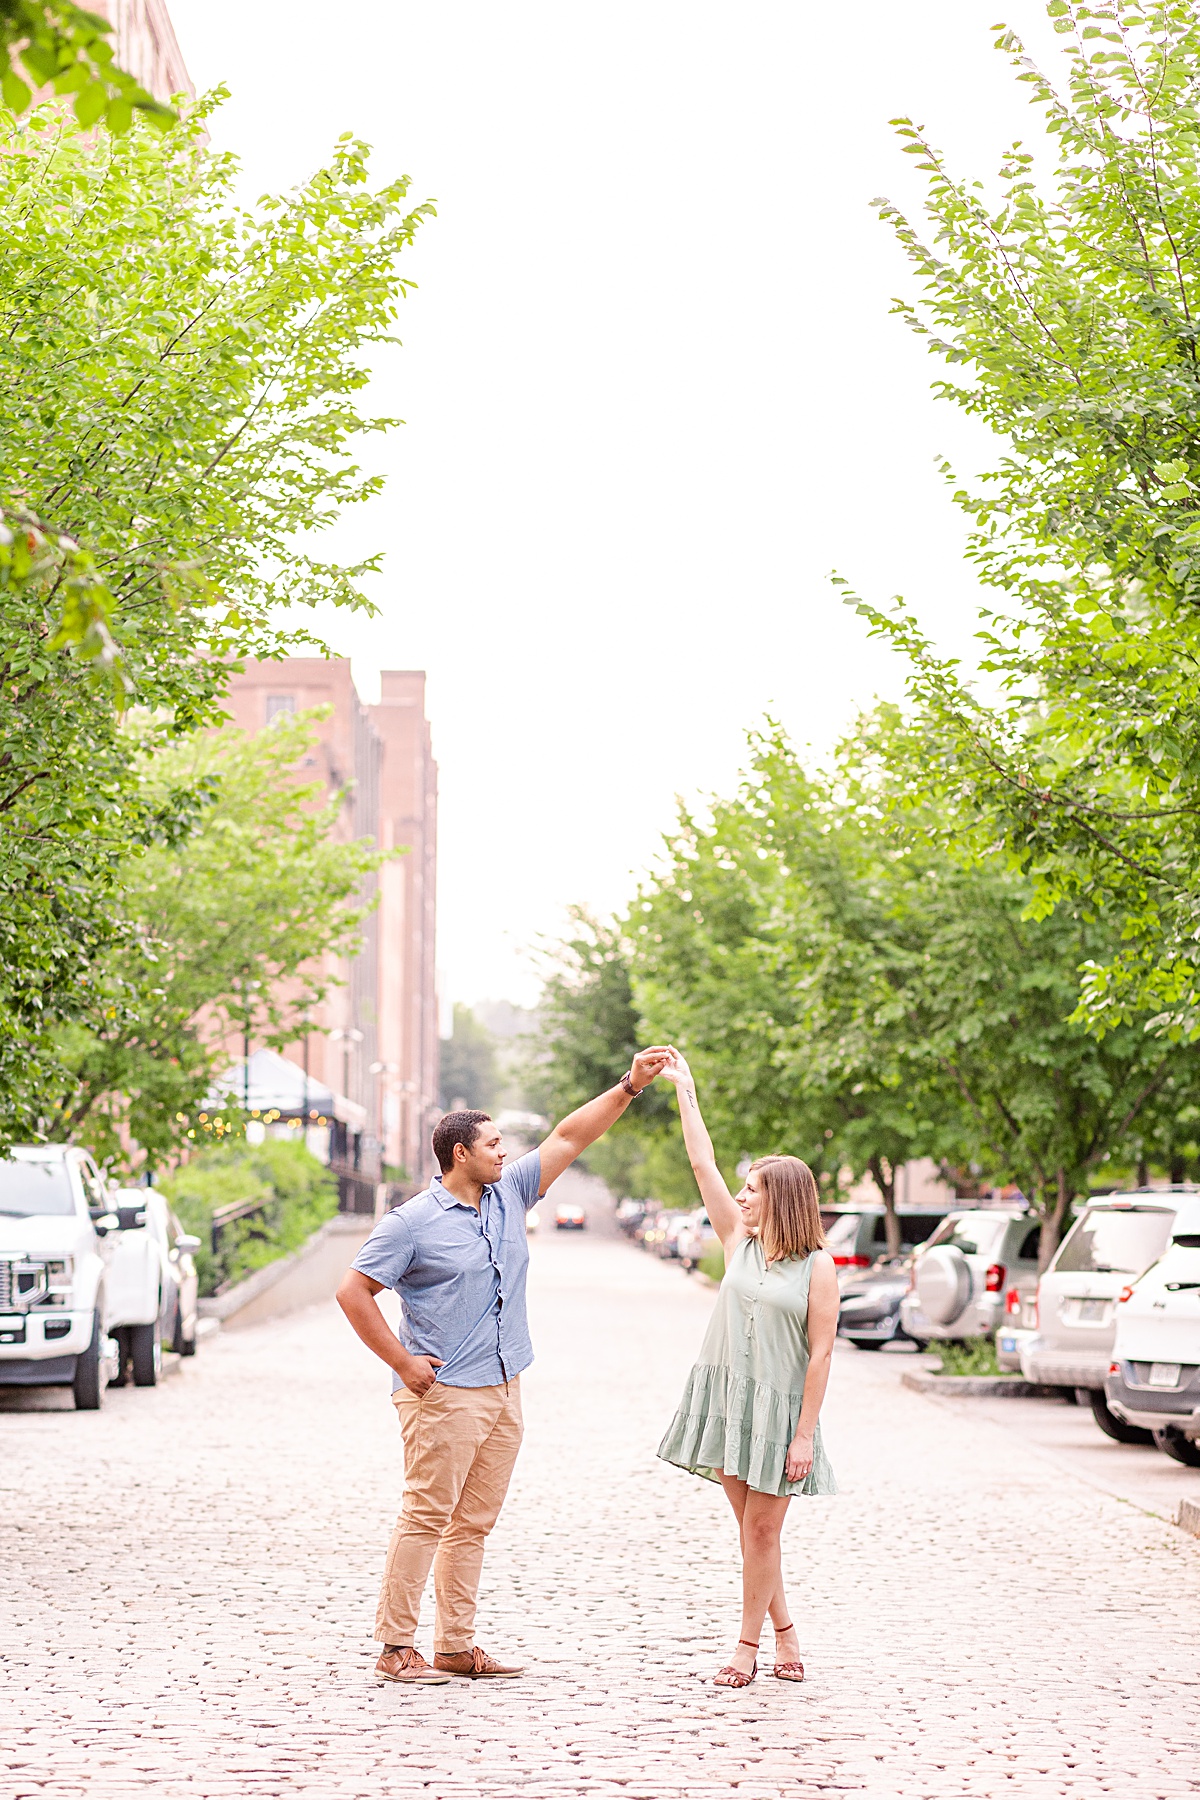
400,1662
473,1664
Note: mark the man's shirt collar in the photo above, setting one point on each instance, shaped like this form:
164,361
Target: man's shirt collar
446,1199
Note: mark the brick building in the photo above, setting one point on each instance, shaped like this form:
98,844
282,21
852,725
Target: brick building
145,46
375,1042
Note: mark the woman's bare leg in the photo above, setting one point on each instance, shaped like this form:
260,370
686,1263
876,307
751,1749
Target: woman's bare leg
760,1521
735,1493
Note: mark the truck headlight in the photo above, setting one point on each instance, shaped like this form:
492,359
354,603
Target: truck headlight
45,1283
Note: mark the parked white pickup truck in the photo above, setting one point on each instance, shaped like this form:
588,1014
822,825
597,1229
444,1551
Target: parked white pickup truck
152,1287
62,1312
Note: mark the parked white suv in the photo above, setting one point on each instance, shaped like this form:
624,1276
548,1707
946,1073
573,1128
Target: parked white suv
55,1320
1154,1376
85,1282
961,1276
1113,1240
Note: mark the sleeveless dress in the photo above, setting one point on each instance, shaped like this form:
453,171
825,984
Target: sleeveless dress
742,1401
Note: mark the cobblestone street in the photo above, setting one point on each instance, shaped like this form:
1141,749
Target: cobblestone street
191,1579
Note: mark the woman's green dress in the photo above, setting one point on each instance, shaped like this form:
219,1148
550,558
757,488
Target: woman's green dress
742,1401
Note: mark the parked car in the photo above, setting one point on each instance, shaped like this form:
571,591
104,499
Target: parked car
152,1284
629,1214
961,1277
1154,1376
870,1310
569,1216
856,1236
696,1238
652,1229
56,1319
674,1226
1115,1239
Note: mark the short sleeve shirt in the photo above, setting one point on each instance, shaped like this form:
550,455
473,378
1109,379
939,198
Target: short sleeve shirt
460,1273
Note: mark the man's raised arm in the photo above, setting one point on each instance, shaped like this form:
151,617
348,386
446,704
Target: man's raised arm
587,1123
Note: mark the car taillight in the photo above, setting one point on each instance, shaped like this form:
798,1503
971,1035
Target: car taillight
852,1262
1012,1303
1125,1294
994,1279
1114,1368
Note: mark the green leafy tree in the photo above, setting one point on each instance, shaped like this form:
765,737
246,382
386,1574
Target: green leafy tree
469,1075
854,995
589,1030
181,381
55,44
1066,312
236,925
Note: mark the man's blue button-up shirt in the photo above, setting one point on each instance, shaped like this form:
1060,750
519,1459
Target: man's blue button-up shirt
460,1274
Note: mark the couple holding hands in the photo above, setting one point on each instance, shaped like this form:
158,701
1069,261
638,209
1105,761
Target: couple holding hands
457,1257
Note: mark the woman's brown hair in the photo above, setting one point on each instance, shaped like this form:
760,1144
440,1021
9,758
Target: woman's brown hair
791,1216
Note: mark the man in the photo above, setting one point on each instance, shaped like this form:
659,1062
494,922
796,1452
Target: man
457,1256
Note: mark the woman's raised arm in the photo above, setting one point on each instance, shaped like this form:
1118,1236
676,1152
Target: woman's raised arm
722,1208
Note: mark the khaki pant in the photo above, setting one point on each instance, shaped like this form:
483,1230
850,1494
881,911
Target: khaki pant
460,1445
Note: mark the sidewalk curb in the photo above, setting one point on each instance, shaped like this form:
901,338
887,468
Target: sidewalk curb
979,1386
1189,1517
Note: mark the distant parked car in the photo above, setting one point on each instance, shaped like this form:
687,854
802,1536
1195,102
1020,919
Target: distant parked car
653,1228
569,1216
533,1219
1115,1238
961,1277
696,1238
629,1214
675,1225
1154,1376
870,1309
856,1236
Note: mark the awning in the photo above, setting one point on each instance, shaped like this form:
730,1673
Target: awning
278,1085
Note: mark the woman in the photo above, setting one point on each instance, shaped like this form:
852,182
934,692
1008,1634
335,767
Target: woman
749,1417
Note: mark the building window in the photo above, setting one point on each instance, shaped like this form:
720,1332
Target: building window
280,703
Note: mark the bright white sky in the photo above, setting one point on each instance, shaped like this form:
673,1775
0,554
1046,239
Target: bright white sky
652,389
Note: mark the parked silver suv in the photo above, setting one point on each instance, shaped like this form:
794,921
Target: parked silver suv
961,1276
1113,1240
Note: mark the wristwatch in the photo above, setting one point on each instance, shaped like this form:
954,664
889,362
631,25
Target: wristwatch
629,1087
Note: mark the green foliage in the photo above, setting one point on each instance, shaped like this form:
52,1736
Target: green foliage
849,992
713,1264
589,1032
62,46
469,1075
298,1194
235,925
180,377
970,1356
1066,311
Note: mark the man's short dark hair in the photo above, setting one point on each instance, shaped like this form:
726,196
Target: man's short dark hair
456,1128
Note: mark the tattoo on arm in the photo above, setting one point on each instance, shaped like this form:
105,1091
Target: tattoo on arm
691,1094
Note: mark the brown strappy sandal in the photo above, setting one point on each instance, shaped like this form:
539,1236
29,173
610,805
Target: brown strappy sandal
793,1671
736,1678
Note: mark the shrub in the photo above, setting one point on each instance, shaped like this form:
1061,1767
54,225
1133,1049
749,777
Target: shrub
297,1193
973,1356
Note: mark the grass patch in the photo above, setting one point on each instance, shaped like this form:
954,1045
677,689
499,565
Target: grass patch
972,1356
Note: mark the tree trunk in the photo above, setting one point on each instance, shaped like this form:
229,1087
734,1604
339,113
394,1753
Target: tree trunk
1143,1172
1178,1168
883,1174
1052,1222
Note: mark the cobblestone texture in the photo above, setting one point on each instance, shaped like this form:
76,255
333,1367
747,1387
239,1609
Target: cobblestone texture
190,1581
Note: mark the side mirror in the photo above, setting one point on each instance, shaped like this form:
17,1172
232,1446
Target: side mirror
130,1218
187,1245
103,1223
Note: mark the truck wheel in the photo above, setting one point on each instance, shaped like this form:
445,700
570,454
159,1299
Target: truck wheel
1110,1425
87,1386
145,1354
1172,1442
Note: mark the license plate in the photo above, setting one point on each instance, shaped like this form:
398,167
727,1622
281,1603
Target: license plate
1164,1374
1092,1310
1008,1345
12,1331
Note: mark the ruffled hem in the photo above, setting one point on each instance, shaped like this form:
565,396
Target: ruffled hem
730,1424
